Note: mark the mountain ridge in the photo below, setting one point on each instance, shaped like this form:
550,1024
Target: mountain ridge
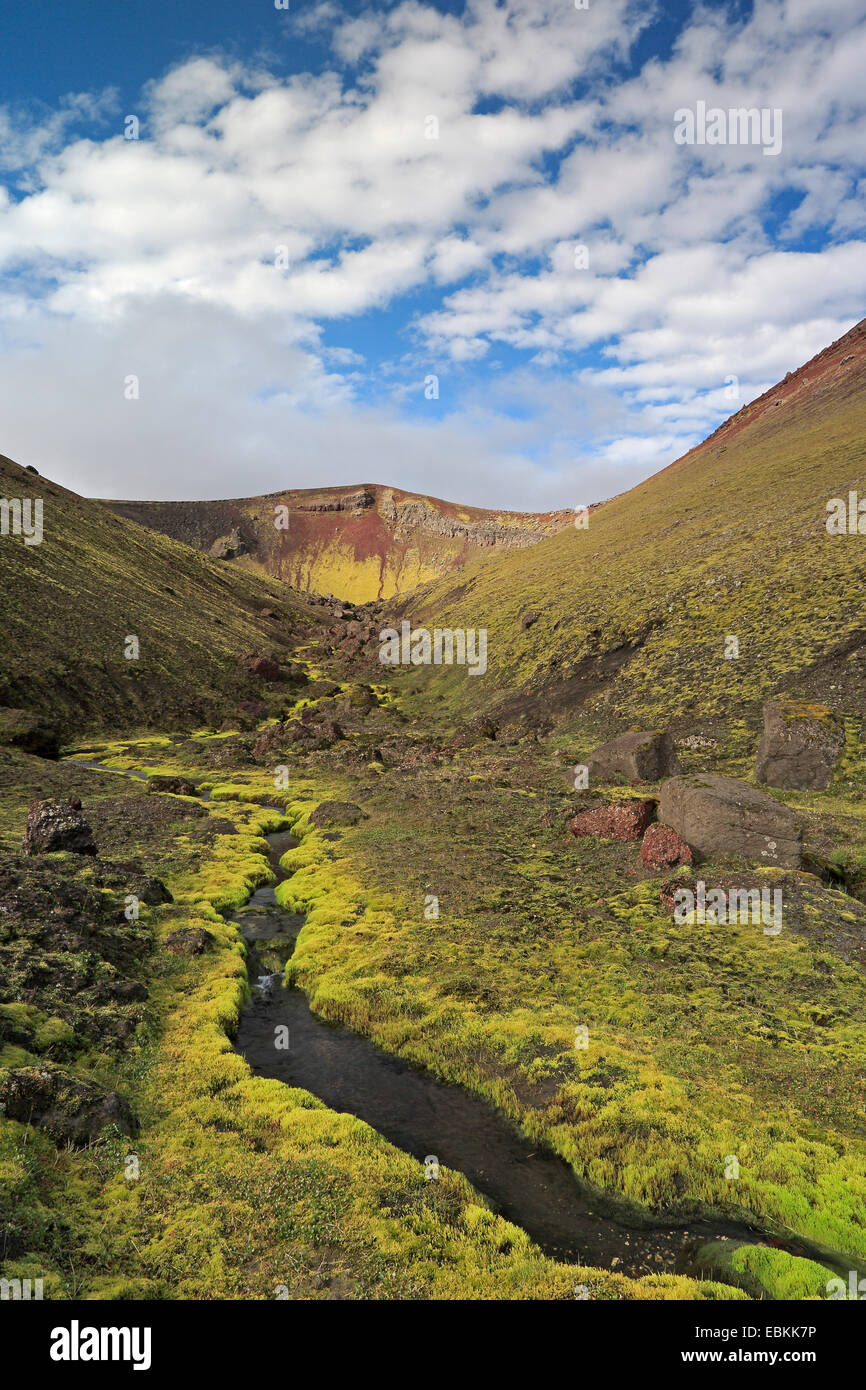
360,541
628,619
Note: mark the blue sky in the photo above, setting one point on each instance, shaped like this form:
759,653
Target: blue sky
415,251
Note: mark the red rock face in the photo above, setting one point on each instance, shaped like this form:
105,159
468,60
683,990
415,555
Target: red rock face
662,848
407,535
623,820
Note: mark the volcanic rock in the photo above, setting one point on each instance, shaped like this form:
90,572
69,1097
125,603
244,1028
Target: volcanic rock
721,815
800,746
621,820
57,825
662,848
641,757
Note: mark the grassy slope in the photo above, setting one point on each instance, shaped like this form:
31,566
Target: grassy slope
635,610
70,603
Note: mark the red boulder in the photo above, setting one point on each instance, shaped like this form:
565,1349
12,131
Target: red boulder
662,848
622,820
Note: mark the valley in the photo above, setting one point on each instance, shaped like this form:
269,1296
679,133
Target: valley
325,977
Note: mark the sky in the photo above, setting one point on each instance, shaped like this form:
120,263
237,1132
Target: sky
468,249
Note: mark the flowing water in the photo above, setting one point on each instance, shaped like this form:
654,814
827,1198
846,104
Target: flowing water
433,1121
429,1119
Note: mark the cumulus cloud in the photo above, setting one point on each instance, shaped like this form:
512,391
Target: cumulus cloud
496,167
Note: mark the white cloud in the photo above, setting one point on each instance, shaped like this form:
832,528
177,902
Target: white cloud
165,250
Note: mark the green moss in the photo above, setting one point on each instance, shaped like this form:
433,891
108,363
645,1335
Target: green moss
763,1272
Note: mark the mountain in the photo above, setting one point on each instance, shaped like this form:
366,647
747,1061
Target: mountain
628,621
362,542
71,602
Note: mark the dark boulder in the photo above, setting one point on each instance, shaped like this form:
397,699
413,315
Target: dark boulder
57,825
70,1111
641,757
800,746
262,666
188,941
721,815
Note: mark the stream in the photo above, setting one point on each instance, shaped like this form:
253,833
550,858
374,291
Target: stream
530,1187
425,1117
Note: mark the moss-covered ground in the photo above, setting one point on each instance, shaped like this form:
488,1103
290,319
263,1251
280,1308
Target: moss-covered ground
460,926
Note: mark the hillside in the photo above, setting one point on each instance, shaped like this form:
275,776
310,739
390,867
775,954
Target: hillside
627,621
361,543
71,602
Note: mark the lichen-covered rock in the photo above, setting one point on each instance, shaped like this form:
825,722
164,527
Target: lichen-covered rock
336,813
722,815
57,825
70,1111
641,757
188,941
800,746
662,848
622,820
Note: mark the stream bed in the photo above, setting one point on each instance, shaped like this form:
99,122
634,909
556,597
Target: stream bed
532,1188
412,1109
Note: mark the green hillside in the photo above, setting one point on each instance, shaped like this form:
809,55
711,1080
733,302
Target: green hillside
633,612
71,602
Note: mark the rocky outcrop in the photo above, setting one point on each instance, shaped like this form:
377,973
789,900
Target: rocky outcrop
621,820
641,757
57,825
800,746
70,1111
721,815
359,501
231,546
